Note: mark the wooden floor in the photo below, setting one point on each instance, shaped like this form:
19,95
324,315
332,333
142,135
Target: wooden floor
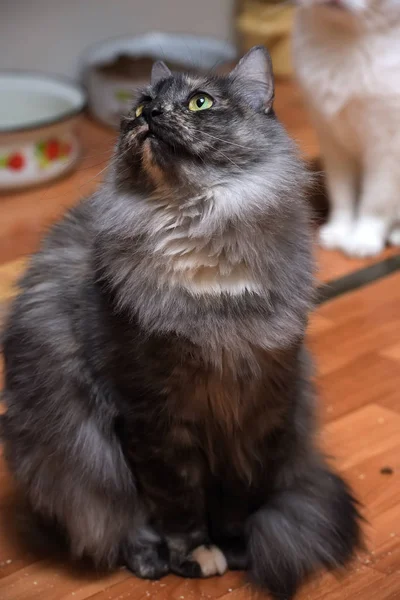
356,341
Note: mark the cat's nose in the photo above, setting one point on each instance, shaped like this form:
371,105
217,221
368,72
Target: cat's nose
152,112
155,111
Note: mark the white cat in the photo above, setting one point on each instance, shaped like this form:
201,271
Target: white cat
347,58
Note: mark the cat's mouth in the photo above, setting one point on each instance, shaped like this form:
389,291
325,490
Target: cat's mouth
159,139
145,132
141,134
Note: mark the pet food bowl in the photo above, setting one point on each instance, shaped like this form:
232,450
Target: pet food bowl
114,70
38,118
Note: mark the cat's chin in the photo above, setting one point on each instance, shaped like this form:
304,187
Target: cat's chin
160,148
141,134
157,139
156,146
155,158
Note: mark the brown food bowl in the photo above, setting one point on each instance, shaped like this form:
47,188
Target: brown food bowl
114,70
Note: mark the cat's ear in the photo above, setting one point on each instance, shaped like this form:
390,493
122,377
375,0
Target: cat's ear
255,76
159,71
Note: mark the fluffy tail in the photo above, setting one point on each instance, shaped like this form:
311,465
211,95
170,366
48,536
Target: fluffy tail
301,530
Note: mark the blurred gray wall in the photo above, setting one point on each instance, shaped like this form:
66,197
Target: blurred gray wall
49,35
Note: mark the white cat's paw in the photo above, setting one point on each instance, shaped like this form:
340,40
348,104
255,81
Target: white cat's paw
394,236
365,240
211,560
332,235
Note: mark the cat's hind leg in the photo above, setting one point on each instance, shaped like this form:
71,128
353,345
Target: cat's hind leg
78,479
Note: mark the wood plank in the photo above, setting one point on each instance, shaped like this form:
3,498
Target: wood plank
392,352
365,302
387,561
361,435
369,584
49,580
369,378
174,588
353,314
334,264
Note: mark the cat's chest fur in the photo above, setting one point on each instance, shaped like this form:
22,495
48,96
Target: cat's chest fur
202,419
180,409
340,67
200,263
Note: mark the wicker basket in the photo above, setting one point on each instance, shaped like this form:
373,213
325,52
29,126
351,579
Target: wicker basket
268,23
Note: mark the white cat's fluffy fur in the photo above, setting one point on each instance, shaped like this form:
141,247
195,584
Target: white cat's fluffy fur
347,58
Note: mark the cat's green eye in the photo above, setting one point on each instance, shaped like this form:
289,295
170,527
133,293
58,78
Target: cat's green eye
200,102
139,110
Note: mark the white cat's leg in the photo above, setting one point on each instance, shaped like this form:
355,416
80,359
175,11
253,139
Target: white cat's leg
394,236
377,209
342,181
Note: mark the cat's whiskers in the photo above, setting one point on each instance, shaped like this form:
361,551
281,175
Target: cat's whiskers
222,140
231,161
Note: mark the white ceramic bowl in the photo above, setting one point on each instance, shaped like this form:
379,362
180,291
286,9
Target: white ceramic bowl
38,118
110,96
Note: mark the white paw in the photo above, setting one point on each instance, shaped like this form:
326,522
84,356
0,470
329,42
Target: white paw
211,560
394,236
367,239
334,233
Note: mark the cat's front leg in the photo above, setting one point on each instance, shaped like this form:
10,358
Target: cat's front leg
342,182
171,484
145,554
394,236
205,560
191,553
229,509
377,209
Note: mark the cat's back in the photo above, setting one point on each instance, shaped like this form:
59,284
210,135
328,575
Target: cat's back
44,318
62,263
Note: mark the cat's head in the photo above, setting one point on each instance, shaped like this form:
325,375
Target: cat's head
188,127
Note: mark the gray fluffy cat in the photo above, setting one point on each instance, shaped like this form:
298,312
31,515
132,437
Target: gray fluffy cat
159,405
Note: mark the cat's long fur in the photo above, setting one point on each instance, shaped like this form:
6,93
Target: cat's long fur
159,404
347,57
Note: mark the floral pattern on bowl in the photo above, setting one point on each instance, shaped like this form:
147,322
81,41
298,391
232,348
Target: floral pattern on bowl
38,160
14,162
47,153
39,118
